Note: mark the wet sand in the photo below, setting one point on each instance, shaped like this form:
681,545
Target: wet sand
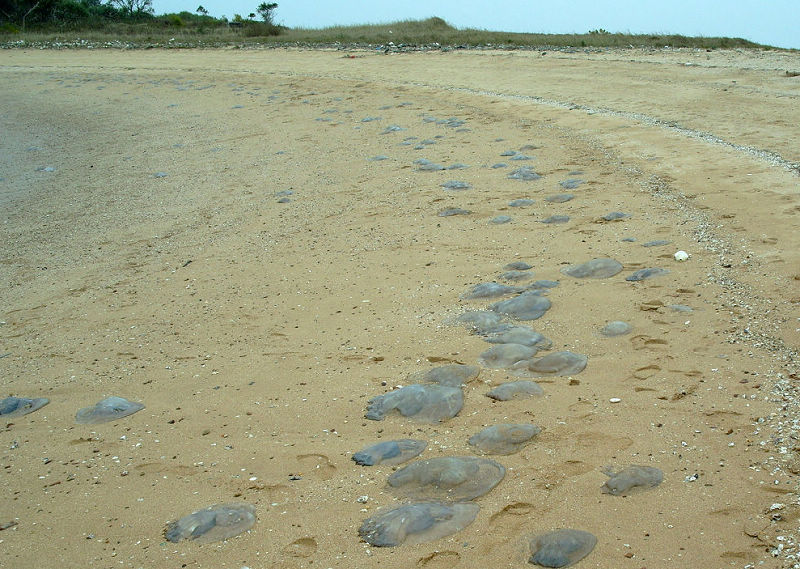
203,231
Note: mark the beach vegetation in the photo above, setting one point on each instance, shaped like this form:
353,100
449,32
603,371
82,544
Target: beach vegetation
132,23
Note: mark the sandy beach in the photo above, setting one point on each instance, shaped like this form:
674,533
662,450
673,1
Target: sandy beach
247,242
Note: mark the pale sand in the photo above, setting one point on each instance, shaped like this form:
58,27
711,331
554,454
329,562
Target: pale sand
257,358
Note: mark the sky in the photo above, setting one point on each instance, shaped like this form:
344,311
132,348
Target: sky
772,22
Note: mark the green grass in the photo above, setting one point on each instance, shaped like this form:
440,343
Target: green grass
163,31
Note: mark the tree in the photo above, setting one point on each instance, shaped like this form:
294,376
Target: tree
266,12
133,8
202,11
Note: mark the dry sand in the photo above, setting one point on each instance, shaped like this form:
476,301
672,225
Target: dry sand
256,331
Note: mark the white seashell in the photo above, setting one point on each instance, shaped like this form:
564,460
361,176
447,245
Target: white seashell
681,256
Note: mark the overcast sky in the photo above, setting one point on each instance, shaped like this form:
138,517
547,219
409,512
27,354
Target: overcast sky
773,22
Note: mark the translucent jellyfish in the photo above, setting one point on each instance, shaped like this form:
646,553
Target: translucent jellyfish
555,219
109,409
456,478
430,403
630,478
427,166
559,198
570,184
489,290
479,320
390,452
450,211
516,276
503,356
214,523
455,185
555,364
527,306
417,523
521,202
518,266
545,284
616,328
451,375
595,269
503,439
500,219
515,390
657,243
643,274
615,216
561,548
526,174
19,406
519,335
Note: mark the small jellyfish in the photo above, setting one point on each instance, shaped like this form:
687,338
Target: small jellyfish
518,266
616,328
489,290
214,523
615,216
455,185
559,198
479,320
504,439
515,390
450,211
643,274
430,403
632,477
417,523
527,306
500,219
561,548
514,276
525,174
595,269
503,356
19,406
555,364
109,409
456,478
390,452
555,219
657,243
570,184
523,335
451,375
521,202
